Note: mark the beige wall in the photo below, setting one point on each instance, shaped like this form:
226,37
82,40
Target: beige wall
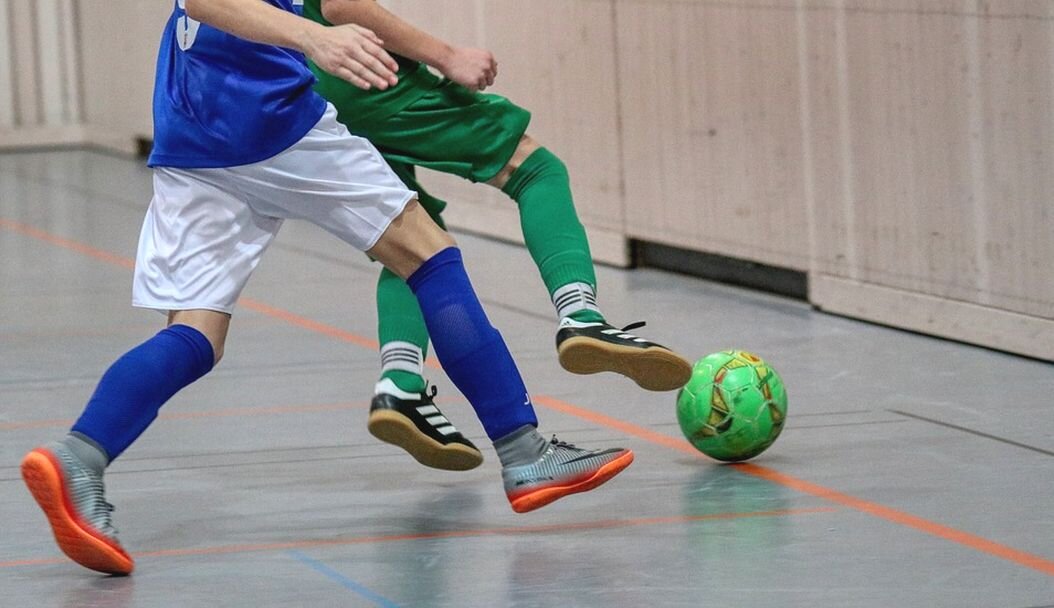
40,95
118,42
930,140
899,151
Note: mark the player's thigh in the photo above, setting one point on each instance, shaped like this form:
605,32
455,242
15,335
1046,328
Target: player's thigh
453,130
199,243
433,205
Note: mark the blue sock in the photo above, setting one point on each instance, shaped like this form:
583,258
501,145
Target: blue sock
472,352
135,387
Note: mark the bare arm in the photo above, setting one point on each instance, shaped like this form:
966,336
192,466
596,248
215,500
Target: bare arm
351,52
469,67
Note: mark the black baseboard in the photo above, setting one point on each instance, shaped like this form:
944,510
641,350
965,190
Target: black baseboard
735,271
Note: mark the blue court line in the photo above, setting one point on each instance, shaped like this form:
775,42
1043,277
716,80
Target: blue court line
346,582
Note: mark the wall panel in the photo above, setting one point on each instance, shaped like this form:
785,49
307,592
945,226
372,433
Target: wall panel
710,112
931,152
118,46
1016,168
39,78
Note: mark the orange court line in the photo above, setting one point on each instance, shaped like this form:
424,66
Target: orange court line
386,538
220,413
965,539
88,250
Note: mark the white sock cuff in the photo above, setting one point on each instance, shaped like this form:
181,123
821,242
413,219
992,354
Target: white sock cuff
402,356
573,297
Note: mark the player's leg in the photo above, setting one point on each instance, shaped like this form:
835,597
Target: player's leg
66,476
476,359
342,184
482,138
403,411
538,181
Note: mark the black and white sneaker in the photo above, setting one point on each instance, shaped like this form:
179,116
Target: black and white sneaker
589,348
413,422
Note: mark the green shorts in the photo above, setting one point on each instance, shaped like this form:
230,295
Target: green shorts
449,129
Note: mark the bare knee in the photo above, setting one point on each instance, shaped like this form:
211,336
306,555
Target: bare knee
212,324
526,147
410,240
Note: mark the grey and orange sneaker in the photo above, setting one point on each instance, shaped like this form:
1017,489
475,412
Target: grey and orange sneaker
414,422
562,469
73,499
589,348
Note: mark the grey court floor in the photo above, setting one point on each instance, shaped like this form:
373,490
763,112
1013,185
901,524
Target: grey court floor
913,471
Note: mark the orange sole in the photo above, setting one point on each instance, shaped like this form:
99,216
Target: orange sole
653,369
540,498
77,539
398,430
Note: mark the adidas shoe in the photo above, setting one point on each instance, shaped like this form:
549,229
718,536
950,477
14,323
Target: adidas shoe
589,348
413,422
562,469
73,499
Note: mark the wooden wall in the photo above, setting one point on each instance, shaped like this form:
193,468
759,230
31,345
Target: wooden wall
901,152
40,94
930,140
118,45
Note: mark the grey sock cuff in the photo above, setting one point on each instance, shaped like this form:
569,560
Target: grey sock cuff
88,451
522,446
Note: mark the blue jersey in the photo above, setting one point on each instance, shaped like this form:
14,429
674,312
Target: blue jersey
222,101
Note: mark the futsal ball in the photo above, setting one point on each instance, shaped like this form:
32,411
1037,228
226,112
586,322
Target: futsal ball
733,407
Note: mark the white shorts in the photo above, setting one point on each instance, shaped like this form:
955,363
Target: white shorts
206,229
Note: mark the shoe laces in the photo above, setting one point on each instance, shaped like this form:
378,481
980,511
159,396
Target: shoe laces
101,508
109,516
561,444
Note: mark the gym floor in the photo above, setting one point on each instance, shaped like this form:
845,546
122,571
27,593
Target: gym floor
912,472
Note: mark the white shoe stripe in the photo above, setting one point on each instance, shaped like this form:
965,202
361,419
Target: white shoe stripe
447,430
437,421
427,410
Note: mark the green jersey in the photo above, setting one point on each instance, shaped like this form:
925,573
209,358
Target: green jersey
355,105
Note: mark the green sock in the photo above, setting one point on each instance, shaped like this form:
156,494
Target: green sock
402,333
554,235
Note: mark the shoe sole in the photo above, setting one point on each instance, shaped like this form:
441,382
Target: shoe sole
544,496
654,368
396,429
77,539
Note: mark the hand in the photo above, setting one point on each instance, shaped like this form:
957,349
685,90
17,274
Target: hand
474,69
353,53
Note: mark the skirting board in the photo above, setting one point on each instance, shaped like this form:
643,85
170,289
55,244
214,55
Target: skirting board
962,321
503,223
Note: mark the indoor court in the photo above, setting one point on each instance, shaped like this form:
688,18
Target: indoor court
916,465
913,471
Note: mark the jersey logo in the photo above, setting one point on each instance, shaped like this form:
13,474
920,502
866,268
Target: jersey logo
186,29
